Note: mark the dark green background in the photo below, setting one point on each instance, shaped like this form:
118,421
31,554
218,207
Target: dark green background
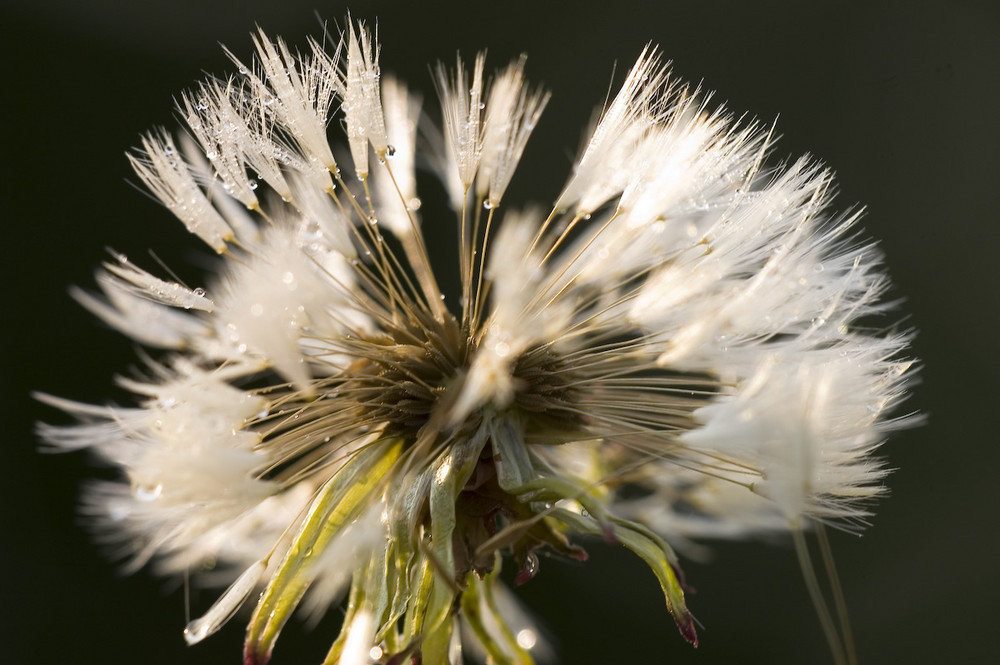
902,101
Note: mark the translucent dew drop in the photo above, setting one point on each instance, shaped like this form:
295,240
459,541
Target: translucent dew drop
147,492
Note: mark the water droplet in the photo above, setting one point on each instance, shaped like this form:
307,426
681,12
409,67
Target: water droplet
818,267
488,204
147,492
528,570
390,150
288,278
199,292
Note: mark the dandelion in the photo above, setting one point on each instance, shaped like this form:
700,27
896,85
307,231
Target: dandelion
682,347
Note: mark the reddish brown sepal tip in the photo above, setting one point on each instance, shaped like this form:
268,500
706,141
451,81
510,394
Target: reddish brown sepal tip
608,530
254,658
685,625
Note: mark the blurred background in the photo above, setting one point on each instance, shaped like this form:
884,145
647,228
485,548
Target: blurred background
901,99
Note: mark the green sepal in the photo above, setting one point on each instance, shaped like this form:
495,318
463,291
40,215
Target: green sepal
482,615
338,503
652,549
513,463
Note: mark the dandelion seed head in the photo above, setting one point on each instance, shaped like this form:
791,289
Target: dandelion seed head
681,347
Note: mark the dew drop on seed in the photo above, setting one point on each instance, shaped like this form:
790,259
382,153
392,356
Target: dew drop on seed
199,292
147,492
